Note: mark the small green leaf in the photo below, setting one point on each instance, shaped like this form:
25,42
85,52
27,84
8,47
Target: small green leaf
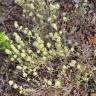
4,43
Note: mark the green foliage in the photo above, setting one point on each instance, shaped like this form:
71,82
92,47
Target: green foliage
4,42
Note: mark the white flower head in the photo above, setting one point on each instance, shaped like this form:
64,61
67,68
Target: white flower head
38,51
20,87
35,73
57,83
24,67
16,24
40,16
22,43
18,67
20,28
19,46
6,37
28,79
48,45
29,33
44,58
15,56
78,66
29,51
12,59
15,86
85,78
56,35
17,37
56,6
60,32
64,67
54,26
49,82
72,63
30,14
45,52
28,58
72,49
11,82
49,19
14,49
65,19
51,34
32,6
8,51
23,54
24,74
41,46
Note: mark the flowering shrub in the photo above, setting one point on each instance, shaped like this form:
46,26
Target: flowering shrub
40,54
29,60
45,67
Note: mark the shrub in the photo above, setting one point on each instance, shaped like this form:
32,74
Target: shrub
40,54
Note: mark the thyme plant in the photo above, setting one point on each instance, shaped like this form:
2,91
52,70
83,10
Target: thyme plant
40,54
